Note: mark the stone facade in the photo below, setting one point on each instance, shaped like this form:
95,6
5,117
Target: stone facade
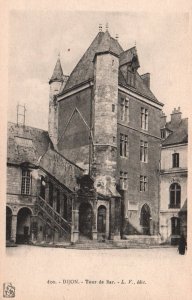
96,173
173,189
91,127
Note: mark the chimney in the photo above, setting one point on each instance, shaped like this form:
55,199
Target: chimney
176,116
163,120
146,79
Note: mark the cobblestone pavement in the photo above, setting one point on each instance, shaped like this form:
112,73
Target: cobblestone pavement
57,273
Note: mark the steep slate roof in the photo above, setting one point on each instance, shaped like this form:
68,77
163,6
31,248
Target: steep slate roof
26,144
128,56
109,44
33,145
57,72
84,70
179,134
103,42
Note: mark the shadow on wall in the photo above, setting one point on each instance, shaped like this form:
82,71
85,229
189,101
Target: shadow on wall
129,229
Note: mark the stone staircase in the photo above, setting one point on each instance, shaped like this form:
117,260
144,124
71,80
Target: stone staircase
138,241
131,242
48,212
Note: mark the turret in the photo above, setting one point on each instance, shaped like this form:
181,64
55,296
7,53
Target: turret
106,66
56,84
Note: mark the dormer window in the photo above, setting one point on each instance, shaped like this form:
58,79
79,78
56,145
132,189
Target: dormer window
162,133
131,78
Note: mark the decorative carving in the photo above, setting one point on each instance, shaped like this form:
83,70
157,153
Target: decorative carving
174,180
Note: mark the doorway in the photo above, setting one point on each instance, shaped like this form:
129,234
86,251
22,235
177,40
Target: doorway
101,219
85,220
23,226
145,219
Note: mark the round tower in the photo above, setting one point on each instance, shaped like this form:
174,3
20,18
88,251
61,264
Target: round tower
106,66
56,85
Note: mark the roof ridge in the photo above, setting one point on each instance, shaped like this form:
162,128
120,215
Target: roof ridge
19,125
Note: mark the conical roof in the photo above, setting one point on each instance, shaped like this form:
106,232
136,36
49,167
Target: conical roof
57,72
109,44
84,70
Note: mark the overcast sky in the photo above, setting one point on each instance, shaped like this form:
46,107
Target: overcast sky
36,38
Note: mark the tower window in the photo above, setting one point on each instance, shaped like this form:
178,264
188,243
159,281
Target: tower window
123,145
26,182
175,160
143,183
175,195
123,180
144,118
113,107
124,109
143,151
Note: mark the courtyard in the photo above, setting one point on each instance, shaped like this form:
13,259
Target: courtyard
68,274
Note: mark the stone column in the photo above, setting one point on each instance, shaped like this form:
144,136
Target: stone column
150,226
94,224
13,228
34,229
47,192
75,226
115,215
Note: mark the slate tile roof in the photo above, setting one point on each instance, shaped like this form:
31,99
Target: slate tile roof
103,42
25,143
33,145
179,133
57,72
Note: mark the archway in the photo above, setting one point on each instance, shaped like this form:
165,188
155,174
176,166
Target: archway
23,225
85,220
145,219
8,223
101,220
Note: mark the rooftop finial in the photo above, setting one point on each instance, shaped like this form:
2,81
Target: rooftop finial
100,27
135,43
59,54
107,26
117,36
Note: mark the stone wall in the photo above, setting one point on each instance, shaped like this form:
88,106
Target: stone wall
74,142
134,199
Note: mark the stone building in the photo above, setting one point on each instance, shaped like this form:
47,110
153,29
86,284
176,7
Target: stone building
173,210
41,186
107,121
104,121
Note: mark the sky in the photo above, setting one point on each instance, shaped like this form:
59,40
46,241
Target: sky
37,37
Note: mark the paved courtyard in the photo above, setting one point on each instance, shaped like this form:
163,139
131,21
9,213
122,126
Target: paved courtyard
67,274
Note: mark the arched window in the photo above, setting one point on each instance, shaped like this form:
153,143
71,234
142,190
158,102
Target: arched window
175,226
175,196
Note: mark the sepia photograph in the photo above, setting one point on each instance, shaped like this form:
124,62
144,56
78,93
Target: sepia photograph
96,176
